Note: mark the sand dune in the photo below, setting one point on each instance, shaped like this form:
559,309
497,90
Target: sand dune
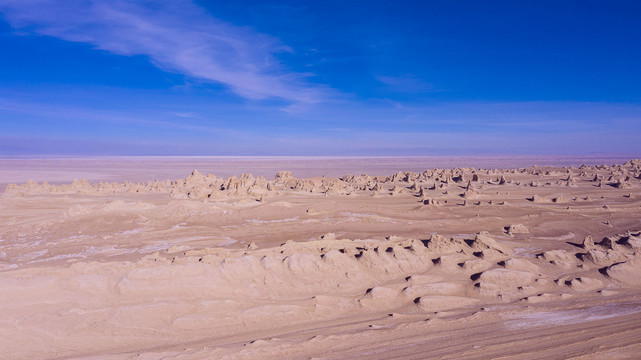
451,263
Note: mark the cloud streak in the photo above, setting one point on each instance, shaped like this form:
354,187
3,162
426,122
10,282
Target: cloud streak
177,36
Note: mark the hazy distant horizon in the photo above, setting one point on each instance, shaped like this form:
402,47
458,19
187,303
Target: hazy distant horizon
558,157
57,170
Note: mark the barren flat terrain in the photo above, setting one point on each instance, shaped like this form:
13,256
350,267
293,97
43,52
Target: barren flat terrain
383,258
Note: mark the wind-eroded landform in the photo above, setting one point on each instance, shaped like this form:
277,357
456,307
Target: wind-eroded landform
537,262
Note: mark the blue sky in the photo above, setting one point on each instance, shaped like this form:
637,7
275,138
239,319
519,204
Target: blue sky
320,78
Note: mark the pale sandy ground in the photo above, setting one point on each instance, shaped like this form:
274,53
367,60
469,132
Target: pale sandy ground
538,262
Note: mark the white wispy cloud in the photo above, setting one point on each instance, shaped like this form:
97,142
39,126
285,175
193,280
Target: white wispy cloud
177,36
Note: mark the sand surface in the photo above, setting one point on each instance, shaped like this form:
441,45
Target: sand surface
416,259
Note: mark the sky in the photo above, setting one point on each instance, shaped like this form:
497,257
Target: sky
320,78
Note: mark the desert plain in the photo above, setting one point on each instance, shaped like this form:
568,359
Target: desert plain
417,258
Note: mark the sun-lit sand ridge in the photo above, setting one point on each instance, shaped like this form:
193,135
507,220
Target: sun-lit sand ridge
456,263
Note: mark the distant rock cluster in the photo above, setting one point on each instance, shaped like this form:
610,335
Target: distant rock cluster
468,183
